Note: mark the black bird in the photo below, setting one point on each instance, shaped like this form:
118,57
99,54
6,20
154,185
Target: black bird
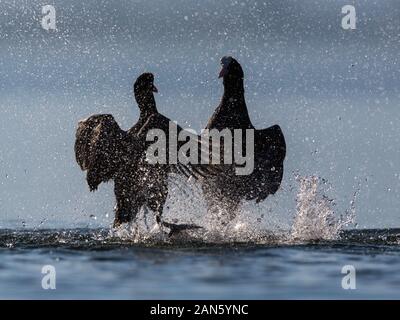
226,191
107,152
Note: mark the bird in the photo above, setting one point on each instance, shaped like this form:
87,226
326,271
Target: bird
106,152
225,192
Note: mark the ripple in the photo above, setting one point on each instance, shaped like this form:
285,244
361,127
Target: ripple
103,239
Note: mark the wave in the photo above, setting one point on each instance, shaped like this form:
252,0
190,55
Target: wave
102,239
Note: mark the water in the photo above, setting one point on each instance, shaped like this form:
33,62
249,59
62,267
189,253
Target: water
90,264
335,93
242,260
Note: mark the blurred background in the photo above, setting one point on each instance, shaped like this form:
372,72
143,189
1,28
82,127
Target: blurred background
334,92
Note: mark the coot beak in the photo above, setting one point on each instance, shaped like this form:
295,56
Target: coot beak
222,72
154,89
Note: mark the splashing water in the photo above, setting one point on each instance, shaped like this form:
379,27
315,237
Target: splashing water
315,218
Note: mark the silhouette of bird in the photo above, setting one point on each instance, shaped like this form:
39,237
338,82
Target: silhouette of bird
224,192
106,152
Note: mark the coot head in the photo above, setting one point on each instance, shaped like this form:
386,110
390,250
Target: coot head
144,84
231,69
144,88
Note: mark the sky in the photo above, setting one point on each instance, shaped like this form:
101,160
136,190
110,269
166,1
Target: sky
334,92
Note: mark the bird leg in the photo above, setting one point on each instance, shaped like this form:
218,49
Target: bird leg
125,211
173,227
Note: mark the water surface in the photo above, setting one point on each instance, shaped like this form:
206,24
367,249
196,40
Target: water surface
91,264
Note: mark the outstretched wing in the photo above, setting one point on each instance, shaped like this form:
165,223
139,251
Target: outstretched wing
99,148
269,154
191,169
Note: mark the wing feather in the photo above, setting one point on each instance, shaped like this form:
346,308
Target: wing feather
270,152
99,148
